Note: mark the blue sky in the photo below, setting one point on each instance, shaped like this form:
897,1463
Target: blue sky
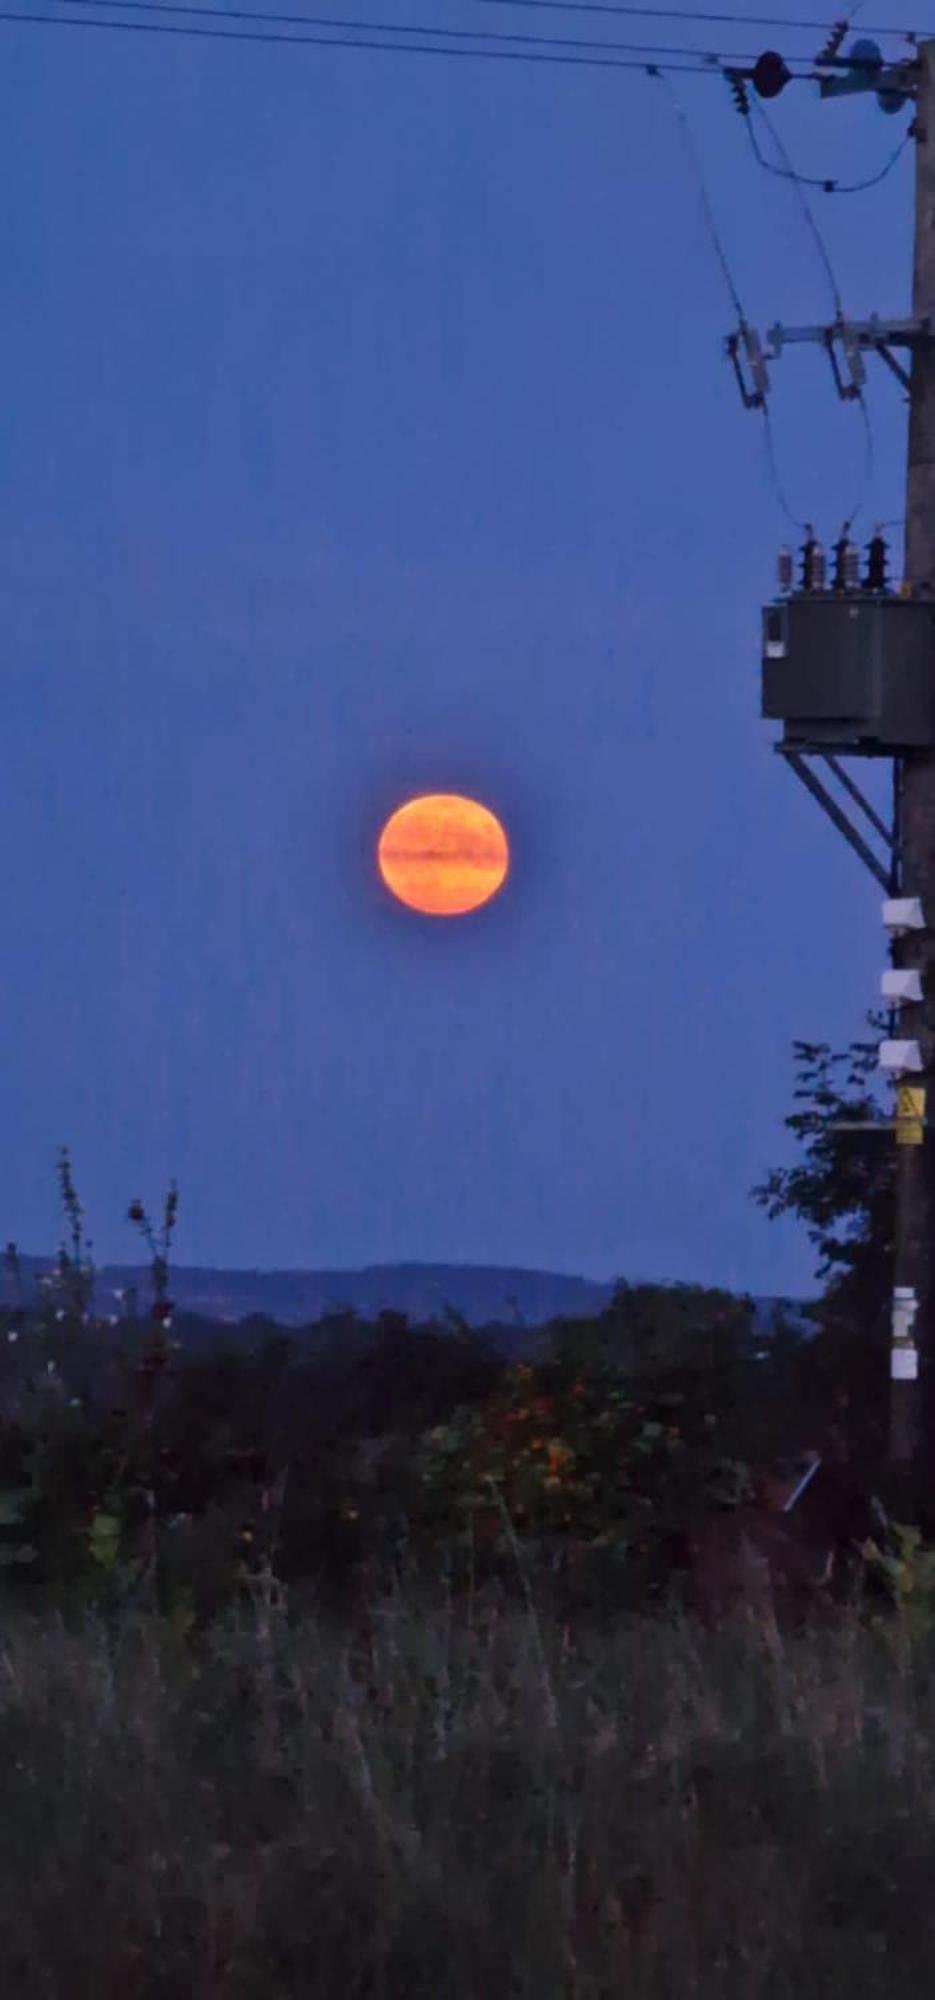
366,430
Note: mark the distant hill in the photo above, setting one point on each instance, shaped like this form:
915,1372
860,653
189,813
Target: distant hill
484,1295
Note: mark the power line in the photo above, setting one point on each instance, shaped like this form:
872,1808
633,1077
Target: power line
704,67
732,287
778,487
713,231
826,183
803,200
795,181
380,27
684,14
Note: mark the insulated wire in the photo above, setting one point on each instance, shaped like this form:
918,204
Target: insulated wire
769,439
869,449
827,185
778,487
703,67
683,14
714,233
226,14
803,200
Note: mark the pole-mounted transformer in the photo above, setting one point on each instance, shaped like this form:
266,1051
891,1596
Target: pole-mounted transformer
851,668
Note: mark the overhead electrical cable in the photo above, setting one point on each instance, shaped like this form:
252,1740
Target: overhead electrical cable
822,248
685,14
225,14
713,230
704,67
827,185
732,287
805,206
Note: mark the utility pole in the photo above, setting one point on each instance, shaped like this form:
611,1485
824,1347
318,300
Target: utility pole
912,1395
850,669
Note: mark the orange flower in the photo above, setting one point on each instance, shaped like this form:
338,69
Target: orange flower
559,1454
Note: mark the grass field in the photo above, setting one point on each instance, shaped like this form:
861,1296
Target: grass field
469,1802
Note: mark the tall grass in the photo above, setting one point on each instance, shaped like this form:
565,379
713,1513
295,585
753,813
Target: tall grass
471,1804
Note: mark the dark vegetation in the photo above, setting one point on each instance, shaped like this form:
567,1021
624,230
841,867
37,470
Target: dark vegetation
360,1659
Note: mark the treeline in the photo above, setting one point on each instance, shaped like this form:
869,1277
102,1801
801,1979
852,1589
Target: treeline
176,1461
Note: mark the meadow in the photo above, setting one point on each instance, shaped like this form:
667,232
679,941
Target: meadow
469,1800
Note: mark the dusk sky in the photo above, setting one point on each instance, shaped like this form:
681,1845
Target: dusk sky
366,431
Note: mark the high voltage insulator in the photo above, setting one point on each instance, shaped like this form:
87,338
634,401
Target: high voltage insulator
813,561
832,44
770,75
738,91
876,563
846,563
784,570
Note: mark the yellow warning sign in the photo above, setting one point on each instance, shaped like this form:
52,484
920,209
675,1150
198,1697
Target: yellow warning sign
910,1113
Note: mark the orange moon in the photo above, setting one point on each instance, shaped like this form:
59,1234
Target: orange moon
443,855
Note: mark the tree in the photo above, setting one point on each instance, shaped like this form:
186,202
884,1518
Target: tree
843,1189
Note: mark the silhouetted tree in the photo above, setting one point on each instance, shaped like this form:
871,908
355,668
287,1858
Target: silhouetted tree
843,1189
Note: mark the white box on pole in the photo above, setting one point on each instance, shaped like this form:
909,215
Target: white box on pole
900,1058
901,986
903,913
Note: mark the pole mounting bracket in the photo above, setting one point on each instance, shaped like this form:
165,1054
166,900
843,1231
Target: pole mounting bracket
853,337
887,874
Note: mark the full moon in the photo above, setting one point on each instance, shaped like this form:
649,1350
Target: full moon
443,855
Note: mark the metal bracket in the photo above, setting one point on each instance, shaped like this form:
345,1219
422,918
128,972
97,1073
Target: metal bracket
893,80
873,1124
887,877
856,337
844,778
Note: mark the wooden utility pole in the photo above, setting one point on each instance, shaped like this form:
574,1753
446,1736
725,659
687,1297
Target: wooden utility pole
912,1388
850,670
